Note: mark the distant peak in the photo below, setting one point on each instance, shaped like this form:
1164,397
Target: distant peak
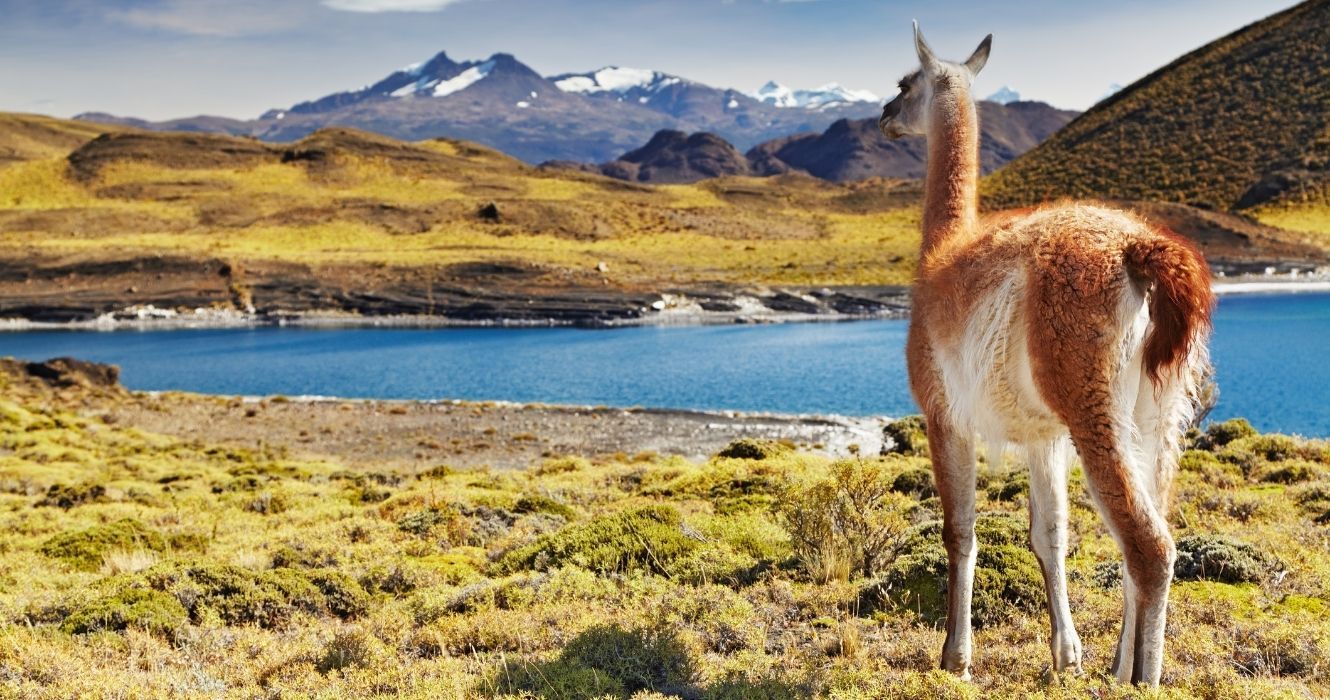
1004,95
831,94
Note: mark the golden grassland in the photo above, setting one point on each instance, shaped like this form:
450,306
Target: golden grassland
1311,217
349,208
138,565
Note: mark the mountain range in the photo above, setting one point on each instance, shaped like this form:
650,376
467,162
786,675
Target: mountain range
850,149
504,104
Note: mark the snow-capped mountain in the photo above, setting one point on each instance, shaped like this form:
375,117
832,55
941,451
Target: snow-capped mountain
502,103
829,95
627,83
1004,95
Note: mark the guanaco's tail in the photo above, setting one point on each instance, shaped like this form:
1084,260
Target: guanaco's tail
1181,301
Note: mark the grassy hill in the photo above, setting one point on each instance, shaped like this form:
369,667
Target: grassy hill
343,207
1241,123
138,564
346,221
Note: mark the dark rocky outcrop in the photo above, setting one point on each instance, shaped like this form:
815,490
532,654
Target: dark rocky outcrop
850,149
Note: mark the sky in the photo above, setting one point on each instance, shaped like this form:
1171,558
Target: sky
159,59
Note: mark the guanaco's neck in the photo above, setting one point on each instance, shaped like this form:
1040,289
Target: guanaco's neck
951,191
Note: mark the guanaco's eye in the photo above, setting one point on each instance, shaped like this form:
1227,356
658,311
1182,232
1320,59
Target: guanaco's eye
904,86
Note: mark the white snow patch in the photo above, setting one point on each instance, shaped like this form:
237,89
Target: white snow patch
732,103
523,104
831,94
577,83
1004,95
463,80
534,95
616,79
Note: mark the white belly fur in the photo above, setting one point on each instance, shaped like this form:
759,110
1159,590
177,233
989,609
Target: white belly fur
988,378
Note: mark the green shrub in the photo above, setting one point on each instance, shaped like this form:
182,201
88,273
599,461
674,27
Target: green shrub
1293,472
751,448
1222,559
544,504
1273,448
611,661
84,549
908,436
915,482
854,513
149,610
265,598
1220,434
1016,483
1007,577
352,648
343,595
395,580
722,619
422,523
66,496
651,539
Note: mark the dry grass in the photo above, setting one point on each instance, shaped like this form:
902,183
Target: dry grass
378,210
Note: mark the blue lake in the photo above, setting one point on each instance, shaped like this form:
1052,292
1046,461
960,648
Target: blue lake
1272,353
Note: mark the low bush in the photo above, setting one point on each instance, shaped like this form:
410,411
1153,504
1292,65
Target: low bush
66,496
917,482
138,608
853,515
85,549
608,661
751,448
268,599
544,504
1007,577
352,648
907,436
647,539
1220,434
1222,559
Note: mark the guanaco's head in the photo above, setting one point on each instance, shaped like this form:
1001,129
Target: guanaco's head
907,115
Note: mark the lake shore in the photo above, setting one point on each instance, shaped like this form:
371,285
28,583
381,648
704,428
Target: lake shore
595,308
419,434
714,306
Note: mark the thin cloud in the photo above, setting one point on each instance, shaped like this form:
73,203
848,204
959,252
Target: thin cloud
206,18
389,5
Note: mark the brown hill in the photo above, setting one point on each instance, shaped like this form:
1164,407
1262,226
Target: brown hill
673,157
850,149
1238,122
30,136
855,149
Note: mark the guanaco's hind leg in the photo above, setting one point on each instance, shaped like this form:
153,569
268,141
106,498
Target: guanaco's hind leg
954,475
1083,375
1049,463
1147,551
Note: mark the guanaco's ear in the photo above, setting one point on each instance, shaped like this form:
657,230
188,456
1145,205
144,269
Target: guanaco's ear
927,60
977,59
